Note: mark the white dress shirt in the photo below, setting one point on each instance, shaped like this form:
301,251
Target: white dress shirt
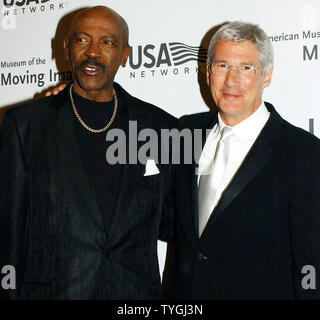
244,135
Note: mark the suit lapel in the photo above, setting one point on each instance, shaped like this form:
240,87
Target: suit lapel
62,127
258,156
129,173
256,159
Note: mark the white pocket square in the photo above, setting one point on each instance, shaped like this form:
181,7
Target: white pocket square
151,168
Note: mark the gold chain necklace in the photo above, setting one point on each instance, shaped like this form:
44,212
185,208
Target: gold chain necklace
84,124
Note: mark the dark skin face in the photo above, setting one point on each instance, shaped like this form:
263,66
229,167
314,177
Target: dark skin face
95,47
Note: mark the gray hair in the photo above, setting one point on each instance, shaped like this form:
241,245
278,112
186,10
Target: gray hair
241,31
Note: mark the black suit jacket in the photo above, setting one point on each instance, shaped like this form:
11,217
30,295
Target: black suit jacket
52,231
265,228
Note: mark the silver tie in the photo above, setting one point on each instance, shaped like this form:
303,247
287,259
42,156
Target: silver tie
211,178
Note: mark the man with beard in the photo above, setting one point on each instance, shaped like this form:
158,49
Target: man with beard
72,225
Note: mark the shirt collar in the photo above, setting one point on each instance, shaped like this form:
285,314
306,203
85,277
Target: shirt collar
248,129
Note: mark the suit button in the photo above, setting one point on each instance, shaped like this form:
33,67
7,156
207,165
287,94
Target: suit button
201,257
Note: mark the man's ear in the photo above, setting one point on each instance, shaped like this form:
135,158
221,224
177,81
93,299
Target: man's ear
66,48
267,78
125,55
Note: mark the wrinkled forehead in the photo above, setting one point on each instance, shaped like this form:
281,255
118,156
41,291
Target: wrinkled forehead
230,49
100,18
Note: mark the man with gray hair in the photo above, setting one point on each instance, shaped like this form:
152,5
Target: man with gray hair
248,216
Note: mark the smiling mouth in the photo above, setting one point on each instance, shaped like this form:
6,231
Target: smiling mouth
91,70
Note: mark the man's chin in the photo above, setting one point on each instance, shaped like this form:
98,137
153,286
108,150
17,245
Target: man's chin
90,85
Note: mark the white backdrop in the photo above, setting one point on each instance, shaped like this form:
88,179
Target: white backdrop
161,75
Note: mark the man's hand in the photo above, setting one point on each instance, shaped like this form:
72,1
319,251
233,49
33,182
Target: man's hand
55,91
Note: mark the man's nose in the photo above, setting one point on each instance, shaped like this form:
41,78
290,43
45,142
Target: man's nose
232,76
93,50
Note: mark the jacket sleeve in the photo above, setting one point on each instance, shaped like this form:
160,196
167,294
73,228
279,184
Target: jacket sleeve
13,203
304,215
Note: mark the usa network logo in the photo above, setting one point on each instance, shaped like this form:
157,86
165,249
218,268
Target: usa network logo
16,7
166,59
21,3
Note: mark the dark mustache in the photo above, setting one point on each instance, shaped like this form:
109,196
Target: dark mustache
92,62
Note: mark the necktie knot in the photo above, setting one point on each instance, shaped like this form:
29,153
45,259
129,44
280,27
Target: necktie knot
226,133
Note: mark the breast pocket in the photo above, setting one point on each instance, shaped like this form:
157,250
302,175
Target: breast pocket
149,176
150,180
